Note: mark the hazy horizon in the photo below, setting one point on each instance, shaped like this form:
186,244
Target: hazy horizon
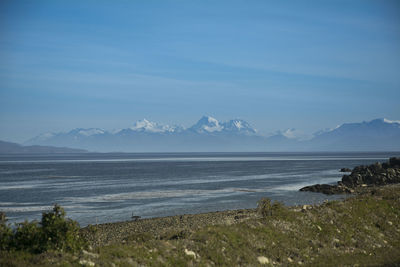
289,132
307,65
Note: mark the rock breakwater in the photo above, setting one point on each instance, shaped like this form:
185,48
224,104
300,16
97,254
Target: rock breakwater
376,174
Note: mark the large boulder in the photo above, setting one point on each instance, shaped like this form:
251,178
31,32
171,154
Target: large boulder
374,174
394,162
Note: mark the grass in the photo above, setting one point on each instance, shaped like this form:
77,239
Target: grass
363,230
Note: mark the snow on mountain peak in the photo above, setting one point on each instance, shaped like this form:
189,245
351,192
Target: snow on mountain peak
153,127
290,133
91,131
238,125
210,121
390,121
146,126
85,132
207,124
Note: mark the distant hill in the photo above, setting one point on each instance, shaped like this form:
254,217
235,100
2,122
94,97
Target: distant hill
375,135
13,148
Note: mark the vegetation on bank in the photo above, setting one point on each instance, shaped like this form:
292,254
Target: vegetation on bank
363,230
54,232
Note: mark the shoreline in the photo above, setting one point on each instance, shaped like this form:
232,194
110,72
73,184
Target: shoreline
362,229
119,232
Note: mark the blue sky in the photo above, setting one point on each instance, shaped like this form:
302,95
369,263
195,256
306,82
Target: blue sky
277,64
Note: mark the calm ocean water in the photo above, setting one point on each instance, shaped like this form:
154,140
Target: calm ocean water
98,188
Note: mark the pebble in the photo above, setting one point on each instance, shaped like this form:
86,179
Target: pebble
263,260
86,263
89,254
305,207
190,253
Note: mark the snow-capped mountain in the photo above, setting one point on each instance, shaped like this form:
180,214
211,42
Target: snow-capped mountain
207,125
145,126
238,126
86,132
153,127
145,135
211,125
208,134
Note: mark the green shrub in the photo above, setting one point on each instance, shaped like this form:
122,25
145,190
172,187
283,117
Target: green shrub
58,232
27,236
54,232
266,208
5,232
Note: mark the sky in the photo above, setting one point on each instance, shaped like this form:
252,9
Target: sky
307,65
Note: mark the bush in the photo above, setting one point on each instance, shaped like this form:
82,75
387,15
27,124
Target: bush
59,233
266,208
54,232
27,236
5,232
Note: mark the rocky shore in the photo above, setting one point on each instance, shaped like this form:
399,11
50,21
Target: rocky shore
377,174
159,228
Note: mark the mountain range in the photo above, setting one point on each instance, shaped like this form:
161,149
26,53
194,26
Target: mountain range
211,135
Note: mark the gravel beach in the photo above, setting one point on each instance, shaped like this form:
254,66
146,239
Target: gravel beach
109,233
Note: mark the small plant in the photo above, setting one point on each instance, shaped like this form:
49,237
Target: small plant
92,229
266,208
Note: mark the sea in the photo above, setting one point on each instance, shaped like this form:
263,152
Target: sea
98,188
